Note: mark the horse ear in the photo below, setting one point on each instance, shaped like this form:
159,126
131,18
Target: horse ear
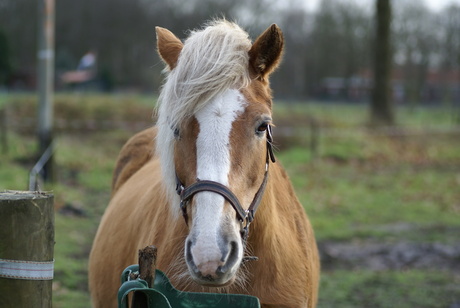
266,52
169,46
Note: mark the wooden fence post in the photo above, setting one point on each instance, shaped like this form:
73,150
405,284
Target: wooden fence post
46,12
26,249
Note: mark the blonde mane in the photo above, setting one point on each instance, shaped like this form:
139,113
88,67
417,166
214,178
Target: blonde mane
212,61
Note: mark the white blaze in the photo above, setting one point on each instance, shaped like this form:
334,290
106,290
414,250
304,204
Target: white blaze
213,163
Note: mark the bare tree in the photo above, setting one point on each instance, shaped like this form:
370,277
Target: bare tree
335,41
19,21
450,52
339,43
416,40
5,64
382,112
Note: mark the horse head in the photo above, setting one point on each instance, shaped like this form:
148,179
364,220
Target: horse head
214,140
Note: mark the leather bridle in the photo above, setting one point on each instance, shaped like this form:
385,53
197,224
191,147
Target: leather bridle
244,216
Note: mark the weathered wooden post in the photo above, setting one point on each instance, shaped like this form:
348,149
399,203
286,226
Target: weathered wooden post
46,81
26,249
147,265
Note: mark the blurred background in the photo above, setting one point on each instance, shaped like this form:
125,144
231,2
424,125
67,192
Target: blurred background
328,44
367,114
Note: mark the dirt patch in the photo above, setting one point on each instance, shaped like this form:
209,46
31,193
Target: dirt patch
384,256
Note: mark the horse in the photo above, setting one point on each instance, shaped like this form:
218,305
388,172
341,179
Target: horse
203,185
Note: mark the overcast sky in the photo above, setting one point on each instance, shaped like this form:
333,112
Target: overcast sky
435,5
439,4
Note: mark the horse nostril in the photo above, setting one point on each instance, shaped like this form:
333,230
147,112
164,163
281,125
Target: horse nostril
231,259
189,257
220,271
233,250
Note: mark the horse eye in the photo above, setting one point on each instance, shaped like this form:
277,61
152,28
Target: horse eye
262,127
177,134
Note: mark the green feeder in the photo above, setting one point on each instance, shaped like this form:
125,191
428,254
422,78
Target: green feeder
164,295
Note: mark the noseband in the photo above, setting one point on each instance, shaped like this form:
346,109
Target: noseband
244,216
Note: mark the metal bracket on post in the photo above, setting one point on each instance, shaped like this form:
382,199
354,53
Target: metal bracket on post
34,173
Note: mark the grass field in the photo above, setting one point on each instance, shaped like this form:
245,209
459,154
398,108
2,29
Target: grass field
385,204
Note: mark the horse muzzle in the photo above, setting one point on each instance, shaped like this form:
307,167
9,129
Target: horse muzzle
213,265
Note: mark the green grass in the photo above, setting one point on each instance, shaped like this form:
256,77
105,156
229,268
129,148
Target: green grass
404,289
357,186
348,198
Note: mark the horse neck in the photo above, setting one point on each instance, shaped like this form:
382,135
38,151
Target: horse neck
278,216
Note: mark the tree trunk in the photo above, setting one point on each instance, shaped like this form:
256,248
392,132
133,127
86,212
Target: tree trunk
382,112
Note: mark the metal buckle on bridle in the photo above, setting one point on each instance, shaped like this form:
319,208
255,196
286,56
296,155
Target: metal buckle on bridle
244,225
179,186
183,207
183,203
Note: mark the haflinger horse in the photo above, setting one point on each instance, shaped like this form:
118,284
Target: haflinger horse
213,167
